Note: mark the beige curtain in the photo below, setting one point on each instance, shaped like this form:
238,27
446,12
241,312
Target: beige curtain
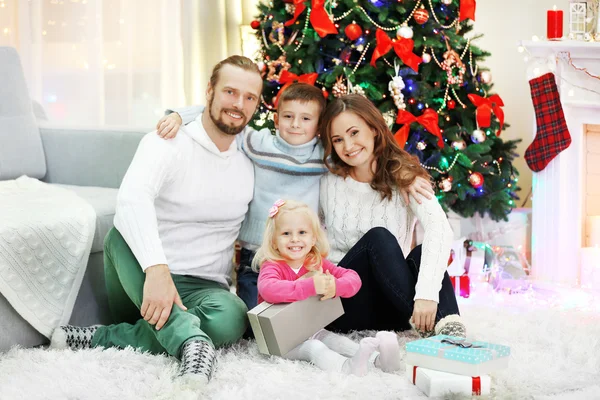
211,31
98,62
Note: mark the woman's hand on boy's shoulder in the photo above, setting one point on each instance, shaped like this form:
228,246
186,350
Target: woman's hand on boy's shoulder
420,189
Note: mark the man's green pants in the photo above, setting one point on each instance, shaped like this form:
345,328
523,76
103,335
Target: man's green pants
214,313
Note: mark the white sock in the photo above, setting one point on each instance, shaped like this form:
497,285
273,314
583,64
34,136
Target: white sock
318,353
389,352
359,363
338,343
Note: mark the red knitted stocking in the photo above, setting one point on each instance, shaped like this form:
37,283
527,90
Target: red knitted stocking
552,135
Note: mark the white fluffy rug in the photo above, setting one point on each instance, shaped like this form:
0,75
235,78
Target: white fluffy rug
555,343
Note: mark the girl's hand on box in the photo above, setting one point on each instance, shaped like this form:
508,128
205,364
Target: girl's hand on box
330,290
321,282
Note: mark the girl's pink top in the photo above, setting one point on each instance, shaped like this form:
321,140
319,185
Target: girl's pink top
278,283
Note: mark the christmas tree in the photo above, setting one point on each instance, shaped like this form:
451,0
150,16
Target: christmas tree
414,60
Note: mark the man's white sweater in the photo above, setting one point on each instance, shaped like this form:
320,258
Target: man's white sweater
182,203
350,209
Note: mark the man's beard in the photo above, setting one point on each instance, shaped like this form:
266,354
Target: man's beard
223,127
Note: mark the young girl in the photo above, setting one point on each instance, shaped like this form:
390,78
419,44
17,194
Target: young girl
293,268
370,227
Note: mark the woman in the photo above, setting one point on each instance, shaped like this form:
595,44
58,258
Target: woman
370,227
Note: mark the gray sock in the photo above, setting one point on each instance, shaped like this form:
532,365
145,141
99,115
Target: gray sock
198,360
451,325
73,337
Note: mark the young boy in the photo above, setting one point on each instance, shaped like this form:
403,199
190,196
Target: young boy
288,164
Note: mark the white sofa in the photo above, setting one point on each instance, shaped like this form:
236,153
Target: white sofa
91,162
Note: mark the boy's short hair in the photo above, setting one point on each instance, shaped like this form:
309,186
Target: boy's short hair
304,93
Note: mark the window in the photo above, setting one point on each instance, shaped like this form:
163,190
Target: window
98,62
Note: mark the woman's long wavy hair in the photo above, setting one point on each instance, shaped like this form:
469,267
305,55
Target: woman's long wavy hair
394,167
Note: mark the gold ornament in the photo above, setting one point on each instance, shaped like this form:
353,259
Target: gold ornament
451,63
339,87
277,28
356,89
276,67
290,8
390,118
421,145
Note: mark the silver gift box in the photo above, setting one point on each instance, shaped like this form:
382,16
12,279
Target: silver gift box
278,328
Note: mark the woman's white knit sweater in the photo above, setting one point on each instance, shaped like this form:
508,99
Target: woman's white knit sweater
350,209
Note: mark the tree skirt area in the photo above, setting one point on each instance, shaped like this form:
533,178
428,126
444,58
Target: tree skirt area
554,337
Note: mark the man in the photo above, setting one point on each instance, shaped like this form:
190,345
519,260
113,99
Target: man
179,211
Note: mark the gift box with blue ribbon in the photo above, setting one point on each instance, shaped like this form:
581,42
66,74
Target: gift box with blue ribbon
457,355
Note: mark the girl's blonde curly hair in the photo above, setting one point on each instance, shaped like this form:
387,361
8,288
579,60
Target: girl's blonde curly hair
268,251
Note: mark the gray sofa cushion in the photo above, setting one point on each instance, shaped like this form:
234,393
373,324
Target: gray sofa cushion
104,201
21,151
88,156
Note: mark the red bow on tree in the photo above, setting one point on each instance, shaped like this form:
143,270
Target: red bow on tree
467,9
287,78
318,17
485,106
403,48
429,120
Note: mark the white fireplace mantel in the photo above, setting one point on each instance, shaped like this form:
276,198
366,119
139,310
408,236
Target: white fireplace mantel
559,190
577,48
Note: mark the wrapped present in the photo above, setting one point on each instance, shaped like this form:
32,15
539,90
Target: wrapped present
442,384
510,271
480,259
278,328
456,262
467,256
462,285
457,355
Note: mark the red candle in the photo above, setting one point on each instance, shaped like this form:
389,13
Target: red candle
555,24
